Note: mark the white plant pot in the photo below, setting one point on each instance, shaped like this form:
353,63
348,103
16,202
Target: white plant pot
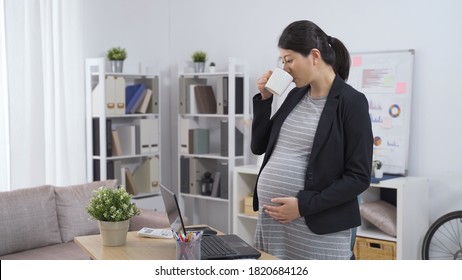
114,233
378,173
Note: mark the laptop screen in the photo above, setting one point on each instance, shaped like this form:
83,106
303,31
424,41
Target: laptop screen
172,208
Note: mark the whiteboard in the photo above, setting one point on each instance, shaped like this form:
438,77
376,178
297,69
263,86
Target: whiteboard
386,80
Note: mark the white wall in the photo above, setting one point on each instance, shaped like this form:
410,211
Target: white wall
169,31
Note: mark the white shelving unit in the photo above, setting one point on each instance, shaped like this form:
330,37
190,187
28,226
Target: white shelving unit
95,86
206,209
245,178
412,214
412,206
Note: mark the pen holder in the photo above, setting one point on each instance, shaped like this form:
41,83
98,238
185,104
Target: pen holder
188,250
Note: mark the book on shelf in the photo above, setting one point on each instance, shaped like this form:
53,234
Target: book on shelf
132,94
223,168
185,85
117,147
138,102
128,139
130,182
238,140
216,184
142,109
97,137
205,99
184,173
198,141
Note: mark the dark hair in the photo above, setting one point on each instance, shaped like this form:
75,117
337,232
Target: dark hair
303,36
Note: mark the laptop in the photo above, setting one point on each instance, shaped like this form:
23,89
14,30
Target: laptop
231,245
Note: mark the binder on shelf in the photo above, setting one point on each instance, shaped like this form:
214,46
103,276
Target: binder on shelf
110,96
119,95
117,174
238,142
146,176
198,141
130,182
132,94
205,99
224,189
184,136
148,135
185,84
223,95
96,137
184,174
153,106
191,100
138,102
142,109
117,147
216,184
97,170
127,136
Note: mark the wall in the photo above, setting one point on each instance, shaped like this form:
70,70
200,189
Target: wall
169,31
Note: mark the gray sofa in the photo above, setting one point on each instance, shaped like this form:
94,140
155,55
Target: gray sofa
41,222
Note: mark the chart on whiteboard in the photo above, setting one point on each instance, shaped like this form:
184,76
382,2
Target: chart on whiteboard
386,80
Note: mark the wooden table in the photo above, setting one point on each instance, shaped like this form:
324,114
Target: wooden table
136,248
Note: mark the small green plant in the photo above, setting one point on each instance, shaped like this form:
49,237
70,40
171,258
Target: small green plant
212,64
117,53
377,164
199,56
111,205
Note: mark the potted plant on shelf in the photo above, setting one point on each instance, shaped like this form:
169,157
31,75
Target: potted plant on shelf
212,67
378,172
112,208
116,56
199,58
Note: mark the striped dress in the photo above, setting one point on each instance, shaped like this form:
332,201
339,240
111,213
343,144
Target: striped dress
283,176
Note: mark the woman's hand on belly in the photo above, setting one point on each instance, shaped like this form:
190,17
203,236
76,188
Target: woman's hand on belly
286,212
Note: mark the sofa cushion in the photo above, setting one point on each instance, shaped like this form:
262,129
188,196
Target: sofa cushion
381,214
61,251
28,219
71,202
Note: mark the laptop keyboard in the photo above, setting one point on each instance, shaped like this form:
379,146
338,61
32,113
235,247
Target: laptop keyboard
214,246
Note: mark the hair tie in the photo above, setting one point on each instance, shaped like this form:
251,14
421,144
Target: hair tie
330,41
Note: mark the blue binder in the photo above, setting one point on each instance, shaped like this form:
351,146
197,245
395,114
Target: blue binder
132,94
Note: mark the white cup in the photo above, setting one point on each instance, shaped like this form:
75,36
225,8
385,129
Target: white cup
278,82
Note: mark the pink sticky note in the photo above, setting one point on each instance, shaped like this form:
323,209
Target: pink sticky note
401,87
357,61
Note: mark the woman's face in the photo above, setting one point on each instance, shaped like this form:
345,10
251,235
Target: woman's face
300,67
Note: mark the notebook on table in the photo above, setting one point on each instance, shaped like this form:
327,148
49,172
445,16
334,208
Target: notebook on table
229,246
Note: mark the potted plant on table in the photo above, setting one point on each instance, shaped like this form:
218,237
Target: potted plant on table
212,67
199,58
378,172
112,208
116,56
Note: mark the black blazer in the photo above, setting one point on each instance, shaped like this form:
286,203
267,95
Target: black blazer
340,164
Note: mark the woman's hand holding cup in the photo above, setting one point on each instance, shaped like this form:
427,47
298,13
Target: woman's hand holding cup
261,83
